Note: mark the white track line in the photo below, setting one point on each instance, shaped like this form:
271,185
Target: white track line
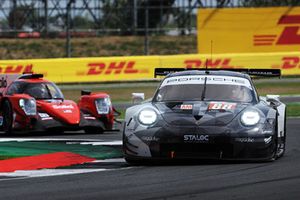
26,174
113,160
69,141
117,142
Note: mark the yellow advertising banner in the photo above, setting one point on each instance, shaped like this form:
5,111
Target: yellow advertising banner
288,63
86,69
136,68
248,30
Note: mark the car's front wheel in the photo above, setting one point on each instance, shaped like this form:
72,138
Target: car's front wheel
7,117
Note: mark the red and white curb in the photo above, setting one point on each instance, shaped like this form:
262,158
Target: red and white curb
25,174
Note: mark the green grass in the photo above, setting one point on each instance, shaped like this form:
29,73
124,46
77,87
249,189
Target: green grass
293,109
7,157
278,87
21,149
96,47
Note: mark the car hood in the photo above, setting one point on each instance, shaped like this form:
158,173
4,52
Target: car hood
66,111
203,113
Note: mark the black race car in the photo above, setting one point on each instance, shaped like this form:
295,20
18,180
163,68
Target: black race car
206,114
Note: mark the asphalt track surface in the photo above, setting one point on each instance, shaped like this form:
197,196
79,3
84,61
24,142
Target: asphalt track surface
188,180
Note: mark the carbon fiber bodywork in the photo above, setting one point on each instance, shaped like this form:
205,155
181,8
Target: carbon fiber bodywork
191,129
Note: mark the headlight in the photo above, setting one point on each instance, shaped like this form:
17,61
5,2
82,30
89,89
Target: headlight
103,105
28,106
250,117
147,116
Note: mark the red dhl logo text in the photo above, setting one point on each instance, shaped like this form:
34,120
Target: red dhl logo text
289,36
289,62
18,69
122,67
209,63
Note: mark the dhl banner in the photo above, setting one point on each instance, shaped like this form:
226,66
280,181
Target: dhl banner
135,68
242,30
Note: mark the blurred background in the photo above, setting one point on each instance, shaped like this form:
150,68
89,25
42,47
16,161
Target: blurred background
147,24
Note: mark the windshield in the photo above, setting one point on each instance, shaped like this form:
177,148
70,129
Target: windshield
217,89
44,90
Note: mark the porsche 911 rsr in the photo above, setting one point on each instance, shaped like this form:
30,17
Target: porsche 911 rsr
31,103
211,114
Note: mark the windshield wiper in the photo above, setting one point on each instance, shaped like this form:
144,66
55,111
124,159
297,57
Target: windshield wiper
204,89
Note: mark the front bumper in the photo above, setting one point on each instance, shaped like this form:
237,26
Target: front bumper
199,143
48,124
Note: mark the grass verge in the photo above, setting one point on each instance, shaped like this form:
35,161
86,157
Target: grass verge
293,109
96,47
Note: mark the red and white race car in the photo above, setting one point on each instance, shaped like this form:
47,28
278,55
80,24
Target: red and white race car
31,103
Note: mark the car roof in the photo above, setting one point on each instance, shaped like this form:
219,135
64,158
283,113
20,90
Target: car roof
209,72
34,80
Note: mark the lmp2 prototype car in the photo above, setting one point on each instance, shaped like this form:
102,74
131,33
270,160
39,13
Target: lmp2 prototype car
30,103
206,114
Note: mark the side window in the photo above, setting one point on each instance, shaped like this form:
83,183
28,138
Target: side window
55,92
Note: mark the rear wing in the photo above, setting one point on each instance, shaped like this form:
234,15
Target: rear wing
250,72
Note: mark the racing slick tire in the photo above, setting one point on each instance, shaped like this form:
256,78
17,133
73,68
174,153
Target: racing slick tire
136,162
7,117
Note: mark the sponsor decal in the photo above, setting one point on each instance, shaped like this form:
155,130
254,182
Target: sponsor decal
92,118
186,107
121,67
244,140
45,116
67,111
268,140
209,63
196,138
199,79
149,138
18,69
289,36
70,106
88,116
221,106
289,62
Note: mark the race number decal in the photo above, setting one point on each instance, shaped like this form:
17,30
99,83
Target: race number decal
221,106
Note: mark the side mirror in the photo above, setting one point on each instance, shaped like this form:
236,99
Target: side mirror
273,99
137,97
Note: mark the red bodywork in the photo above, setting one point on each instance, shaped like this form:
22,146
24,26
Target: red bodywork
51,113
87,104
